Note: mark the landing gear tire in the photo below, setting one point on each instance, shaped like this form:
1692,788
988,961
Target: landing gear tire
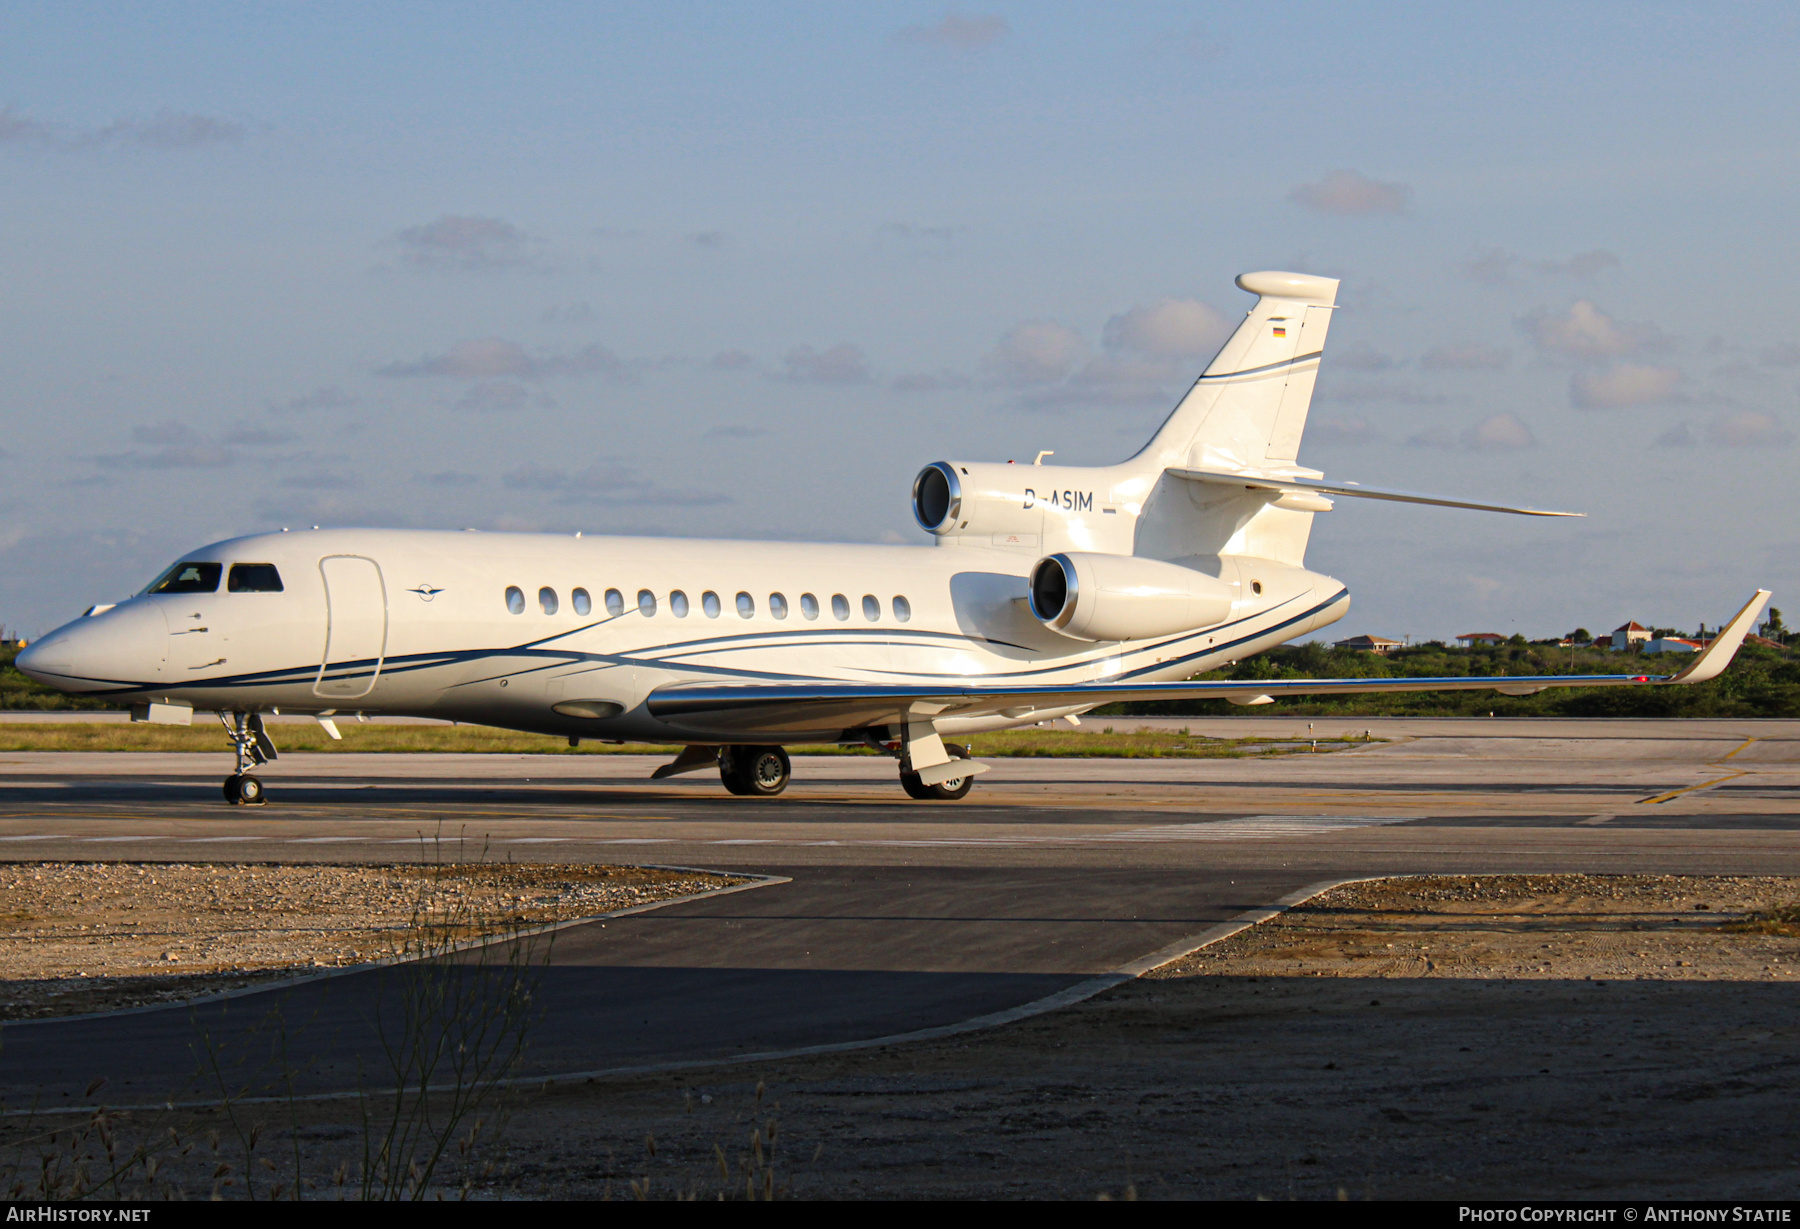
244,791
947,791
755,772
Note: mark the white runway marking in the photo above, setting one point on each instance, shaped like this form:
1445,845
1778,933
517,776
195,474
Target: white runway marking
1242,828
1259,827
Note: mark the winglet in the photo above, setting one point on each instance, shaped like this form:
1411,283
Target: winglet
1716,656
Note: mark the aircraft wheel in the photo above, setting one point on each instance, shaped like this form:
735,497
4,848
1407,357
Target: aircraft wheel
755,772
948,791
244,791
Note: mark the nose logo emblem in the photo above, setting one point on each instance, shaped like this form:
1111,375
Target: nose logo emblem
425,592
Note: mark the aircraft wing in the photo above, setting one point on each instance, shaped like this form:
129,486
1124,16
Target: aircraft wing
1317,486
810,707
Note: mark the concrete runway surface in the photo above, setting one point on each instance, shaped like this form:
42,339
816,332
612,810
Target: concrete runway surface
896,916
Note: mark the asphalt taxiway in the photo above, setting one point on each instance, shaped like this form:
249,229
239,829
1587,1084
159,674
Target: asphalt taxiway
889,916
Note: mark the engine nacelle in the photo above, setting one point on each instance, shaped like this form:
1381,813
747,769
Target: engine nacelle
1121,597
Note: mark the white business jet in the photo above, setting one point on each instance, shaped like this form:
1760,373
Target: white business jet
1050,590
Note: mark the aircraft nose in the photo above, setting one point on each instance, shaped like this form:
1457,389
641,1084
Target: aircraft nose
123,646
40,659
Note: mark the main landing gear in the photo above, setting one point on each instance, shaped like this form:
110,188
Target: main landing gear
755,772
944,791
253,747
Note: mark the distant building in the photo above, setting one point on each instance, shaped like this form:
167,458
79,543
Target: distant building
1368,644
1470,639
1672,644
1632,633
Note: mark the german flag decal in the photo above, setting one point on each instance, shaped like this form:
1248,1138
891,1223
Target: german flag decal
1281,330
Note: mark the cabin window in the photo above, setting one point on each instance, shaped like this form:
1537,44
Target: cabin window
253,578
840,607
584,605
1256,586
678,604
547,600
809,605
646,603
746,606
615,603
778,605
902,609
709,602
871,607
189,578
515,599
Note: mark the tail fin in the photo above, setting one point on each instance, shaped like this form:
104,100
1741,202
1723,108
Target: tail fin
1249,408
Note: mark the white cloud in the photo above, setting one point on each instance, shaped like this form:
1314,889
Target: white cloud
1786,354
957,31
1465,356
1348,193
928,381
1678,436
841,364
169,432
566,313
730,360
1500,433
1341,432
1625,384
735,431
920,240
321,480
1490,266
1748,429
255,434
448,478
1586,333
1396,391
1171,328
457,242
491,358
164,130
1362,357
607,482
1036,352
1497,266
175,456
494,397
1432,437
328,398
1583,266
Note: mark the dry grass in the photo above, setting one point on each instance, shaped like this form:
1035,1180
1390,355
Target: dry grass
205,736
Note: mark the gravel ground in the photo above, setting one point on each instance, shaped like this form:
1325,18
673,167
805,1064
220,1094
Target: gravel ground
1500,1037
92,936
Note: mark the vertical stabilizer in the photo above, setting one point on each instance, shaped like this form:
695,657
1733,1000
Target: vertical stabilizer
1247,411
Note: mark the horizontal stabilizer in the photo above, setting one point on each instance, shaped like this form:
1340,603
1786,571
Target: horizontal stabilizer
1315,486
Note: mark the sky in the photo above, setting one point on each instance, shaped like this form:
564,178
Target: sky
741,270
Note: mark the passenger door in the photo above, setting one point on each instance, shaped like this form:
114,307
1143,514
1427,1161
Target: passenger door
355,627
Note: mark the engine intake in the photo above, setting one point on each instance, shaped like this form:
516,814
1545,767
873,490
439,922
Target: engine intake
937,497
1088,596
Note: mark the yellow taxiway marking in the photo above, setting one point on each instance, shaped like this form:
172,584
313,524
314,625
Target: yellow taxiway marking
1688,789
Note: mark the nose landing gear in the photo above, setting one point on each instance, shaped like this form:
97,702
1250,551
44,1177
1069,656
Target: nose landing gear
253,746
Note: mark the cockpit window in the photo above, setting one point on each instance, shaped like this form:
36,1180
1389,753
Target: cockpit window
253,578
188,578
